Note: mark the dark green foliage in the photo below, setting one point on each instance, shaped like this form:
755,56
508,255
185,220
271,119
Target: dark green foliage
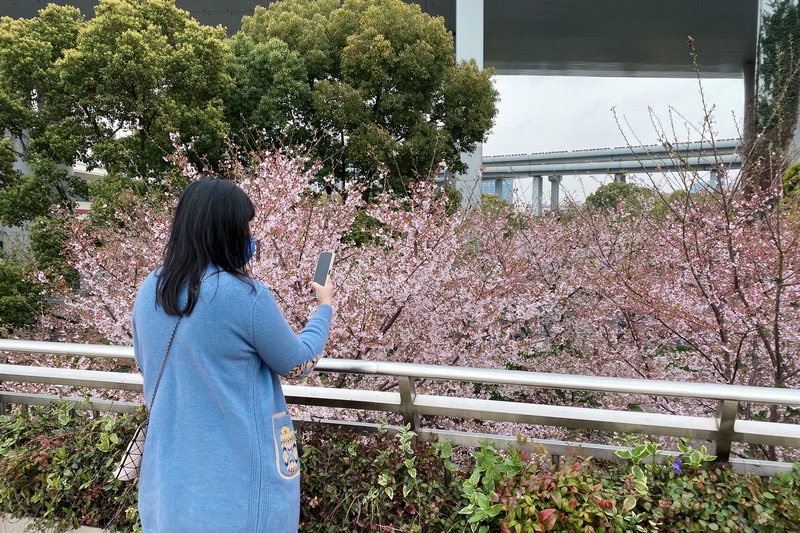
454,198
47,242
779,83
372,85
523,493
23,197
35,113
777,96
108,91
376,482
21,303
56,464
619,194
791,181
24,300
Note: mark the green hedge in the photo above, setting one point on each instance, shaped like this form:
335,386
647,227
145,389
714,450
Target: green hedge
56,464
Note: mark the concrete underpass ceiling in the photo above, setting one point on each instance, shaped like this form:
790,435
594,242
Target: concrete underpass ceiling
644,38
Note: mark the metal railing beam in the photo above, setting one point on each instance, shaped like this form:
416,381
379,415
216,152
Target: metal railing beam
568,417
104,351
726,419
722,428
644,387
388,402
93,379
21,398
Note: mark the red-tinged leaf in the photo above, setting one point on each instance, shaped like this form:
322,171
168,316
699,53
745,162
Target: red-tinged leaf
548,518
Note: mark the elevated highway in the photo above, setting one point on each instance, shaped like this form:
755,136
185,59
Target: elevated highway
704,156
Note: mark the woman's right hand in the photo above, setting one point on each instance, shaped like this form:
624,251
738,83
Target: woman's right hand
324,293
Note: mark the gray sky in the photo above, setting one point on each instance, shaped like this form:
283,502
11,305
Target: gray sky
548,113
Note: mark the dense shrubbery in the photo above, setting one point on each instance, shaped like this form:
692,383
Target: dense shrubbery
523,493
56,464
378,482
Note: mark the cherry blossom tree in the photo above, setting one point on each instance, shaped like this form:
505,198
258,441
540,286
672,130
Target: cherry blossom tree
690,286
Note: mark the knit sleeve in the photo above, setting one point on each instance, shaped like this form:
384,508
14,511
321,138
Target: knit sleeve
288,354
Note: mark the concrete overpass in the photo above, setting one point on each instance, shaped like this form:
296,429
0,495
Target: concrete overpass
692,158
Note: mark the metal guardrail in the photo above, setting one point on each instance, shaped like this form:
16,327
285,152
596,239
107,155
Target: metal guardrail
722,429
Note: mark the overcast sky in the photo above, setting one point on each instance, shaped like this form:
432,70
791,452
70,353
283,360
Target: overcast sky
548,113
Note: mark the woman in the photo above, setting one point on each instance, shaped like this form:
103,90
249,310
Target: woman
220,454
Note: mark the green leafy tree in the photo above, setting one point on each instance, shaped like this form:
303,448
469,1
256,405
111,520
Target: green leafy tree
611,195
109,92
35,114
141,70
48,239
372,85
778,96
21,302
791,185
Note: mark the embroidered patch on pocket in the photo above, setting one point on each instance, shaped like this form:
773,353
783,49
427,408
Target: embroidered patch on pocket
286,445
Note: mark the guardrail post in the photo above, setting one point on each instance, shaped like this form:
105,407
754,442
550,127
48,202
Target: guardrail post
407,394
726,418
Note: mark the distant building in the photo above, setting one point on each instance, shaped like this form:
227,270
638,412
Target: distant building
507,193
13,238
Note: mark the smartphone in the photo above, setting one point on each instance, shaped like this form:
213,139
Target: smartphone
323,271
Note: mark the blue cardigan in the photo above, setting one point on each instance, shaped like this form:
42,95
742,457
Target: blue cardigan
221,453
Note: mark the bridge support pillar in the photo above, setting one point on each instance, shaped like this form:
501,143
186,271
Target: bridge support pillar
555,190
469,45
498,187
536,195
749,128
713,180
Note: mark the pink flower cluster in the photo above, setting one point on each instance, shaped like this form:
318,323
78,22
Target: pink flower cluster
704,289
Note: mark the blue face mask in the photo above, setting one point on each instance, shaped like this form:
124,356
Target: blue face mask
250,250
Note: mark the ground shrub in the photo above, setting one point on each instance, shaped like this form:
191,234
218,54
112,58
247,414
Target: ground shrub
56,464
517,492
377,482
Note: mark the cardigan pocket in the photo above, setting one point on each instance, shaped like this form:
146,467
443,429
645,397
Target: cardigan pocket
286,453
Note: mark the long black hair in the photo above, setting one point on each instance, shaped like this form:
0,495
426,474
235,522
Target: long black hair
211,226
